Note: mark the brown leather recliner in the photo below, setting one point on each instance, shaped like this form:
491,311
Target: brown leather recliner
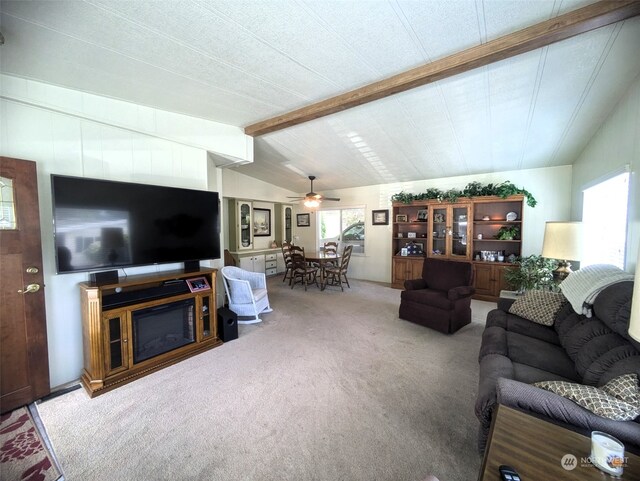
441,299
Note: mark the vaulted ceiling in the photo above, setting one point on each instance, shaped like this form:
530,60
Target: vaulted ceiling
240,62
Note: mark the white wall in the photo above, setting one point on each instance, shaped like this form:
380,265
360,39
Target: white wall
65,144
615,145
550,187
227,140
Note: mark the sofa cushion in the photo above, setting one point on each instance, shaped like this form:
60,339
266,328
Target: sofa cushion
583,332
622,359
613,308
430,297
513,323
538,306
594,399
529,374
539,354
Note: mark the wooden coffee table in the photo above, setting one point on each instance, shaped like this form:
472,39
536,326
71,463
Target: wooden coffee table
535,449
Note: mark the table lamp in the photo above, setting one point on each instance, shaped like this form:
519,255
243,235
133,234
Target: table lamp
562,241
634,322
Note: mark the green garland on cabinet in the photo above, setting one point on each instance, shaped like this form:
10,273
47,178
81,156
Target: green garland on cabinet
473,189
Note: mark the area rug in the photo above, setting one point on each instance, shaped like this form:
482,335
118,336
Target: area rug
23,455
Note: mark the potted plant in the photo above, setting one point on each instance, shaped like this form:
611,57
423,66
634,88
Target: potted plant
532,272
508,232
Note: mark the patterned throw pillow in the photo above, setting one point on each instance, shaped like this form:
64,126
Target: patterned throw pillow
538,306
595,400
625,388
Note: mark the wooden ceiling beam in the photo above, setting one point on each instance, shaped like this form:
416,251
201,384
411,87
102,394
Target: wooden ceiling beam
570,24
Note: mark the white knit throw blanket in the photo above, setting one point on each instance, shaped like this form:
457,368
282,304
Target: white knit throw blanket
583,286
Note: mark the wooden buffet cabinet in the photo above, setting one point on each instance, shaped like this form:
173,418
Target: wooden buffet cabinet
450,231
144,323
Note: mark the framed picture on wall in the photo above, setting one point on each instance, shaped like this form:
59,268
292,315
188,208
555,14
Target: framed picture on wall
303,220
261,222
380,217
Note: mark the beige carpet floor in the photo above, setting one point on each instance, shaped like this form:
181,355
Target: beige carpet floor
331,386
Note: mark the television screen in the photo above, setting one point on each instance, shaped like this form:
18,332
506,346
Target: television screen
102,224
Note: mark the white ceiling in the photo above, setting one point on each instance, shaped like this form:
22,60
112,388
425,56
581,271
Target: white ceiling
239,62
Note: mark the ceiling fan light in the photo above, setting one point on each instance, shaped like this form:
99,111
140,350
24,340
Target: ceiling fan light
311,203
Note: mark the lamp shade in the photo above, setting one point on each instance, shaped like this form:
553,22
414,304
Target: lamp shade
634,322
562,240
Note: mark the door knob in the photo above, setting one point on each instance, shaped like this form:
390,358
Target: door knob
30,288
32,270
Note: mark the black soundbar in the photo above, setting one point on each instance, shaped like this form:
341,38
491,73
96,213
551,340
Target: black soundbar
126,298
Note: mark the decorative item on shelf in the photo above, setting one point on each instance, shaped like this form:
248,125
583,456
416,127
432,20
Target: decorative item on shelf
404,252
422,215
401,218
423,235
414,249
438,218
400,235
198,284
411,235
479,236
462,218
512,258
274,244
562,241
508,232
511,216
486,217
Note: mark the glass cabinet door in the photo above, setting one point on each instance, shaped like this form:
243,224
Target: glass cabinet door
117,353
438,232
449,232
208,324
244,225
288,233
459,231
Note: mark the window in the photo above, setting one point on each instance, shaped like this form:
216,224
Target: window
345,226
604,219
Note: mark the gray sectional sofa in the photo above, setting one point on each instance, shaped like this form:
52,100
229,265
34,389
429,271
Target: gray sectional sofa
516,352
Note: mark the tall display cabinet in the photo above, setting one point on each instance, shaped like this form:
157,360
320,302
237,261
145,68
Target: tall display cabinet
410,226
467,230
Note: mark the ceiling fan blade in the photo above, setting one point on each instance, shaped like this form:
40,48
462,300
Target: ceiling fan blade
331,198
298,198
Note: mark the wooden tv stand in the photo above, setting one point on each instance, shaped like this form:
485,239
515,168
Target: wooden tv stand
110,357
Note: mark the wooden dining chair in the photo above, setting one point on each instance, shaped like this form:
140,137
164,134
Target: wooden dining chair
302,272
288,265
330,248
333,276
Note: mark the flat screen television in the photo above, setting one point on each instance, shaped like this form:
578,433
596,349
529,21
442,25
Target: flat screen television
103,224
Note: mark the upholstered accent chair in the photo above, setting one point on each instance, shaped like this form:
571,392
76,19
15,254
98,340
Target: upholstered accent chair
441,299
247,293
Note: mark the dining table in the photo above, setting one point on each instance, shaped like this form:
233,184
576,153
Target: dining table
321,258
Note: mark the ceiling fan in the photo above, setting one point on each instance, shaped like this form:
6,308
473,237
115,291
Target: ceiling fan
311,199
